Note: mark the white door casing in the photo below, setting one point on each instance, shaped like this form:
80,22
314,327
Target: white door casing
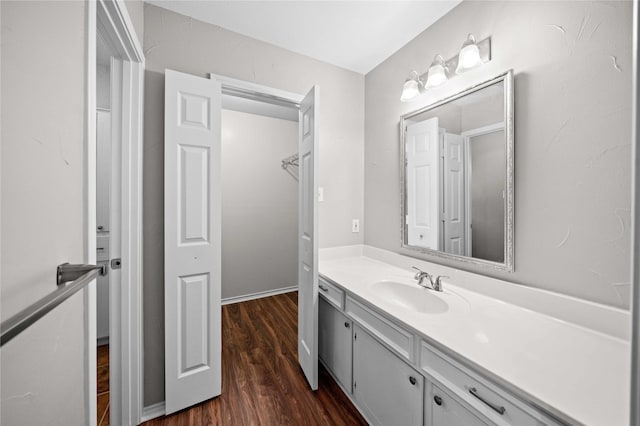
467,136
454,194
423,182
192,240
308,237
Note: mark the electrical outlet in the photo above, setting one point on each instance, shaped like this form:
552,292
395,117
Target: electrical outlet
320,194
355,225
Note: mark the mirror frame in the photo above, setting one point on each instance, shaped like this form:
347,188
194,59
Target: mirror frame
508,265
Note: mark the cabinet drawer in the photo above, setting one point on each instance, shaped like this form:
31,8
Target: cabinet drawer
490,402
398,339
441,409
331,293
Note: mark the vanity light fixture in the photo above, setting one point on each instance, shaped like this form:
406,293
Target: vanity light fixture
413,86
469,56
437,73
472,55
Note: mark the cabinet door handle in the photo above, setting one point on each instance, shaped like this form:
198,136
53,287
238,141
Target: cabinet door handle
499,410
323,288
346,324
412,380
437,400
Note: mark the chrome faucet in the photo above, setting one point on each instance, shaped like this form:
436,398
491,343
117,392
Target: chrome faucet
433,284
421,276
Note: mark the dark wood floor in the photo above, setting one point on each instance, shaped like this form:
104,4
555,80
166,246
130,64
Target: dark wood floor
262,383
103,385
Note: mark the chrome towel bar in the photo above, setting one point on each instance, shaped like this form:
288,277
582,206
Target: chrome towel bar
81,275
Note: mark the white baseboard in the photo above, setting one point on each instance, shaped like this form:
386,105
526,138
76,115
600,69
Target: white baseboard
153,411
252,296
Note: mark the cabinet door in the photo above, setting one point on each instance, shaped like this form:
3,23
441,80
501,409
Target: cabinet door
443,410
387,390
334,339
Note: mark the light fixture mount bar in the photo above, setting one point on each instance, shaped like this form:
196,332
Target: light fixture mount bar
484,46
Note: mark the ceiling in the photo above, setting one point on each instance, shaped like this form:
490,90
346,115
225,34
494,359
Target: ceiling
356,35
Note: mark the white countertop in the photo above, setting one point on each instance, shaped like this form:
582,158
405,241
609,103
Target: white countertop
575,373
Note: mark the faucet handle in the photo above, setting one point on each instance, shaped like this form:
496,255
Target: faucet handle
420,272
438,283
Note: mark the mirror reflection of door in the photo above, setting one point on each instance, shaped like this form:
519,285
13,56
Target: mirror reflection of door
486,192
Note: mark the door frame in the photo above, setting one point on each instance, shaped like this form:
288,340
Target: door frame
466,139
111,19
235,87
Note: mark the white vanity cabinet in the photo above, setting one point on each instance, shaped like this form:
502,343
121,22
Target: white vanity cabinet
386,389
334,341
395,376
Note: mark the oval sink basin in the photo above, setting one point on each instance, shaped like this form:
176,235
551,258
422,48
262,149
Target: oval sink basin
410,296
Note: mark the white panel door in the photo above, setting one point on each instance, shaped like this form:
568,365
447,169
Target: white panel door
423,183
192,240
308,237
454,195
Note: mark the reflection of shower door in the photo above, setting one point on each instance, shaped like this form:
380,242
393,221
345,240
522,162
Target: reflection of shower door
453,213
423,184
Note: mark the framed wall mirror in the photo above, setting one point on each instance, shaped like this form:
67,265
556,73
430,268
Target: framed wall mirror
457,176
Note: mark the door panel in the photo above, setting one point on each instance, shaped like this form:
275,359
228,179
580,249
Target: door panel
334,343
423,202
192,240
308,241
388,391
454,195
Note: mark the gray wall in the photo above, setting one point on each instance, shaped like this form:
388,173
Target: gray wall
177,42
259,204
43,107
135,8
572,63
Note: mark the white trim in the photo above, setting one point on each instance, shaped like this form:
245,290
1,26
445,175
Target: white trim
233,83
259,295
634,415
111,19
153,411
89,294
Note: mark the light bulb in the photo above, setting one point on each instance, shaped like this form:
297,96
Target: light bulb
411,88
469,56
437,73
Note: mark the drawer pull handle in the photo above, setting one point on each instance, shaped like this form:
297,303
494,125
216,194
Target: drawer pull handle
437,400
346,324
323,288
412,380
499,410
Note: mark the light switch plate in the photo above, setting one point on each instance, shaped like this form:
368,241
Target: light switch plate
355,225
320,194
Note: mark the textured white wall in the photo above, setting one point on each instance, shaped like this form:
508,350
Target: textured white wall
259,204
43,63
572,63
177,42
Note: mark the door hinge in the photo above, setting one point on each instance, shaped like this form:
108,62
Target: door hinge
355,385
116,263
355,336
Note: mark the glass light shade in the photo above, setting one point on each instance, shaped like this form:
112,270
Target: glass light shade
436,74
411,88
469,56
